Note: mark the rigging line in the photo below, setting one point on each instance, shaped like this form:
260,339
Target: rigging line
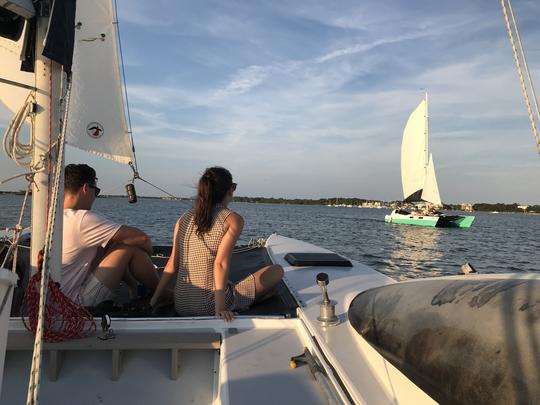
13,248
522,81
35,373
156,187
130,130
20,175
12,83
522,50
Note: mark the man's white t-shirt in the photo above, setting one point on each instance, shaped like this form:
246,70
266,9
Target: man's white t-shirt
84,233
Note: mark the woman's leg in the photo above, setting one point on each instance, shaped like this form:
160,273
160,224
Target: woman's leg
266,280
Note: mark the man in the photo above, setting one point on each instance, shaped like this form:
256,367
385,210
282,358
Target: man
97,254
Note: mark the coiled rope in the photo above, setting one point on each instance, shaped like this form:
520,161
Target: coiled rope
20,152
532,118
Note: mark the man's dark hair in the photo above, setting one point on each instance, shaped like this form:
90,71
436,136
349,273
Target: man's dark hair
76,175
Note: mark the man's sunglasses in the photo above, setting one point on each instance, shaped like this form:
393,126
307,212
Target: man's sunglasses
96,189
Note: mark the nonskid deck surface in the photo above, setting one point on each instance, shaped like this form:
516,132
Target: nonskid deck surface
245,260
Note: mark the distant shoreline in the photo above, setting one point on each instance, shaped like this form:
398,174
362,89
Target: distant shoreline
346,202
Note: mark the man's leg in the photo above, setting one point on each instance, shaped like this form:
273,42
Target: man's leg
122,262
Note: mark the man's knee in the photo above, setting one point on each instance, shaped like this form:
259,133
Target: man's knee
124,249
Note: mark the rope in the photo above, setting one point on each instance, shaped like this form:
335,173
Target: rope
59,318
532,118
64,319
20,152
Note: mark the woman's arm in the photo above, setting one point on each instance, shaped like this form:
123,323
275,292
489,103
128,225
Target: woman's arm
168,271
233,228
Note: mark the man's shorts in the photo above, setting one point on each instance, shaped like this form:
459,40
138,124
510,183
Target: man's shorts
94,292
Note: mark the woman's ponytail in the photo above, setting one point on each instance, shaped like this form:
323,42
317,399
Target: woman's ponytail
211,190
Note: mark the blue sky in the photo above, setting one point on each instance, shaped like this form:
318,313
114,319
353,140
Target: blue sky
309,98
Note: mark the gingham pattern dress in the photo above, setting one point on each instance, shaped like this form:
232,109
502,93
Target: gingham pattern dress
194,263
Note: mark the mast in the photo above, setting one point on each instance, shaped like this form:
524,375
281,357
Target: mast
426,133
48,93
426,145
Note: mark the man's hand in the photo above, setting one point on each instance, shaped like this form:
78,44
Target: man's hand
130,236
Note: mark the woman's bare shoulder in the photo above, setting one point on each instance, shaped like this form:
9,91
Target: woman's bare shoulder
235,220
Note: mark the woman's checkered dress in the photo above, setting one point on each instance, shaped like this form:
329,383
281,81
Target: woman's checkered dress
195,256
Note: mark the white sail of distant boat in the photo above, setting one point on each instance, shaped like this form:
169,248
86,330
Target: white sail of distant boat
97,119
430,192
417,169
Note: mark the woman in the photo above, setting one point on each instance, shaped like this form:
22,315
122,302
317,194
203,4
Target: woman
204,238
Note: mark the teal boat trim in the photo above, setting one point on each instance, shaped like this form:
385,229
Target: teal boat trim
414,221
442,221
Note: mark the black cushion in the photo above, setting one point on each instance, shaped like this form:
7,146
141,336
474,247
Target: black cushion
317,259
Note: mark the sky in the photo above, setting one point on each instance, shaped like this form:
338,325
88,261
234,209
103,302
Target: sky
309,99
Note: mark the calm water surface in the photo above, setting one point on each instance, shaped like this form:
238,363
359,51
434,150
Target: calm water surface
495,243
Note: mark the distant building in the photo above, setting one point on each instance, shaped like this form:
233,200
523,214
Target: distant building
523,207
467,207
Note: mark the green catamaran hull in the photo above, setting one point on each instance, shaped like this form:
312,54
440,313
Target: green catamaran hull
441,221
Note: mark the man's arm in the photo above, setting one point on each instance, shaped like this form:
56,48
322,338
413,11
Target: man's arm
128,235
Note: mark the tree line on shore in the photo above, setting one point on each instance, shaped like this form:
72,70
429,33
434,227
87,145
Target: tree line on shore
499,207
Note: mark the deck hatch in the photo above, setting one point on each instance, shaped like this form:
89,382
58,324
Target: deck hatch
317,259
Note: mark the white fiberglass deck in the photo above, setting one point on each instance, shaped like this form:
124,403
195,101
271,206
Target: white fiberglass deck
368,377
251,366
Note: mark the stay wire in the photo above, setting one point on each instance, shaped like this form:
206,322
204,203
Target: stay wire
156,187
133,164
130,130
532,117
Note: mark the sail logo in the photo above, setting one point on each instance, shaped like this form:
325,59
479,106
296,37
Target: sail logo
94,130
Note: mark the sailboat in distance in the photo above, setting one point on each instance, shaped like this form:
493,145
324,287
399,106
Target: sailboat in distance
418,177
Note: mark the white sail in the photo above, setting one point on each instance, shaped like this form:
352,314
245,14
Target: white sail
430,193
413,152
97,121
13,97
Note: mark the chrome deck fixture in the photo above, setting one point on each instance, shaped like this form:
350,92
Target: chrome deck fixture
327,315
108,332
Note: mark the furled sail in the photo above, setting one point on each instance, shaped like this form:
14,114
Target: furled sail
413,154
97,120
430,192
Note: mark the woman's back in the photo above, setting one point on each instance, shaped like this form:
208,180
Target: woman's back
195,256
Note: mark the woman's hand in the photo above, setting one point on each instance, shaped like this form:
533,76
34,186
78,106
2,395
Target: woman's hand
226,315
221,308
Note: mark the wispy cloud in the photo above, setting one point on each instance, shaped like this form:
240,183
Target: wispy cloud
318,93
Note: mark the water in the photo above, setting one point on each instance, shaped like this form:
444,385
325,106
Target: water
495,243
